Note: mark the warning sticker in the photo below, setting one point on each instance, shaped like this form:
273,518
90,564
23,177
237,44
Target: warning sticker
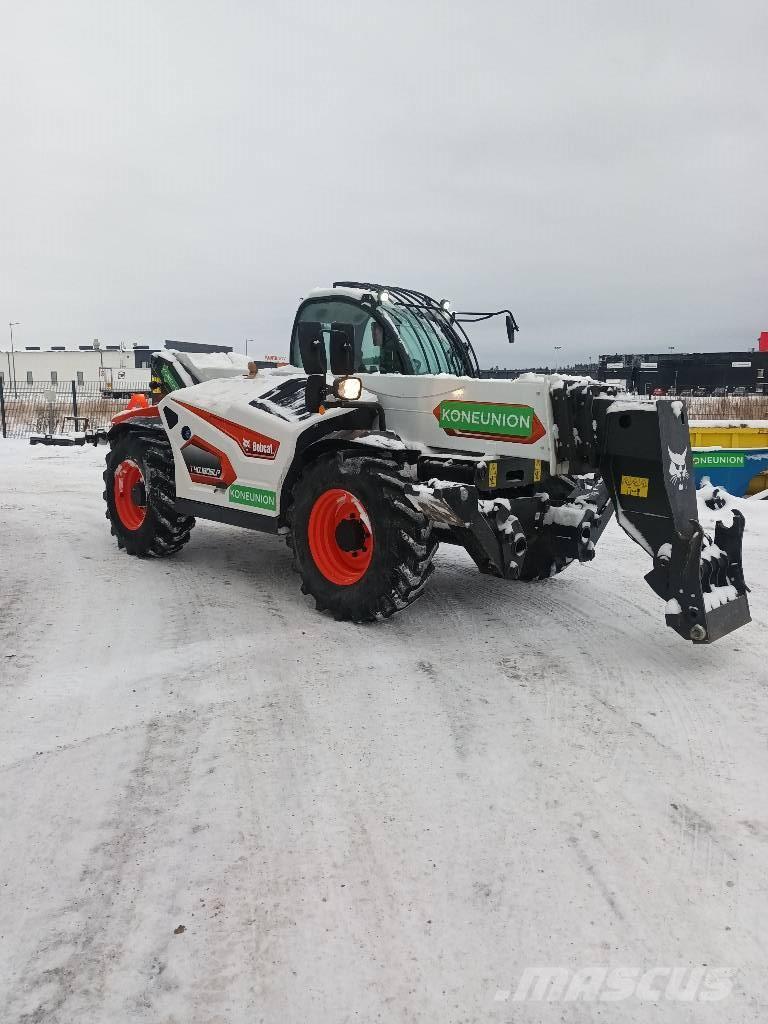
634,486
536,470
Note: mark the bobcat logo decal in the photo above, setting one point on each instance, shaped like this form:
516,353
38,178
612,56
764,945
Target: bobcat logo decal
678,472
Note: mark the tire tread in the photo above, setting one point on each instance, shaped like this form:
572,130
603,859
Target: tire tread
171,529
412,544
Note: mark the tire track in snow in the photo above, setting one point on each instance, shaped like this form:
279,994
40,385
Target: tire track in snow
65,979
607,670
457,870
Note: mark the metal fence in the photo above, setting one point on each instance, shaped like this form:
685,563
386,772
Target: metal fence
59,408
731,407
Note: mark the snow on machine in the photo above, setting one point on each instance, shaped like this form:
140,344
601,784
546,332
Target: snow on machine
380,440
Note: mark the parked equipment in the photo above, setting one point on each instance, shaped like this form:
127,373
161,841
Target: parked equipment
74,430
380,440
732,469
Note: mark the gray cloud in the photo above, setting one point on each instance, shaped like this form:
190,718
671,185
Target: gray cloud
190,169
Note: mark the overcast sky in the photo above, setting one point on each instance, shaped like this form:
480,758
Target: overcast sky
186,169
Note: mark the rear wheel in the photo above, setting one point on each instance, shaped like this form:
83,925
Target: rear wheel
362,550
140,493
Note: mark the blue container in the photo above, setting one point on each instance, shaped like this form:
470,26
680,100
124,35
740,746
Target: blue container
731,468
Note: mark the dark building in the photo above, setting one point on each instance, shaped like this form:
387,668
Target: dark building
142,356
687,371
196,346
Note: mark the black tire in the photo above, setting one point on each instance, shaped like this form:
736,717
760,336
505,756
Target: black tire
403,543
163,531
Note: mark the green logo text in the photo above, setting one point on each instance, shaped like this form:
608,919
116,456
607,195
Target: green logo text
714,460
487,418
170,380
256,497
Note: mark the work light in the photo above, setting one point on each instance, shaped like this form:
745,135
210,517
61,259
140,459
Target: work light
348,389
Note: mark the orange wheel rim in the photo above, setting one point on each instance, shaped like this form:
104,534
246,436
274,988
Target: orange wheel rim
340,537
128,478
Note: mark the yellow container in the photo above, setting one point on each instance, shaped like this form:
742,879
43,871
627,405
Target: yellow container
728,437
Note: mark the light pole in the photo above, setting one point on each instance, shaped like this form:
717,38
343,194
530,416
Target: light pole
11,325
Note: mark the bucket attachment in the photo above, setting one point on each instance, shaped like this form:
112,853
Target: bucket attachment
647,467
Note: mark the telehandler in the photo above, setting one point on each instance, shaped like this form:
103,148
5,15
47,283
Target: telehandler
380,440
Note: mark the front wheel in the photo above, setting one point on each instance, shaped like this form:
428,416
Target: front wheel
140,493
362,550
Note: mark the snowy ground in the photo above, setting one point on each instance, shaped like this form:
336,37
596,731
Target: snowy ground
350,823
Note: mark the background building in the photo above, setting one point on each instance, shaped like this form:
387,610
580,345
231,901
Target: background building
32,364
687,371
196,346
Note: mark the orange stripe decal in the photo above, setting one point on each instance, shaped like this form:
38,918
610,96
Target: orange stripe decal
251,442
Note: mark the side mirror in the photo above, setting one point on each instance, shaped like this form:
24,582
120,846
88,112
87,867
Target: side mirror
342,349
509,320
312,348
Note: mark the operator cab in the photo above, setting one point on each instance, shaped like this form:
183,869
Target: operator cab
392,330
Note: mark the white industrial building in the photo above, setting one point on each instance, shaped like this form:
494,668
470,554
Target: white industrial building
93,362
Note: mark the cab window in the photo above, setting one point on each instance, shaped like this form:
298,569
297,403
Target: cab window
376,349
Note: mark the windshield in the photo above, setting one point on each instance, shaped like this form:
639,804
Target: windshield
431,344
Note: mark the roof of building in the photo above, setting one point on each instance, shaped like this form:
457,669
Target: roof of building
196,346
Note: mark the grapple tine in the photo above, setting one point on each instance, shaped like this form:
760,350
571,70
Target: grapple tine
728,539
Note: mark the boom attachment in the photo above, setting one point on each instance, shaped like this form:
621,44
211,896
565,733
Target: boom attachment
647,467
